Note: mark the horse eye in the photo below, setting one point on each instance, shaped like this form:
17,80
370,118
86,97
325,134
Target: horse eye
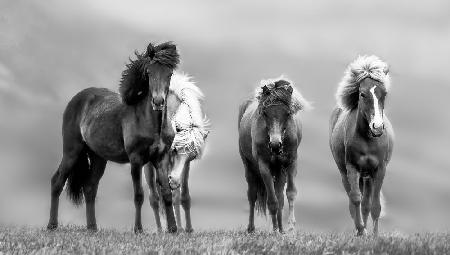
178,129
363,95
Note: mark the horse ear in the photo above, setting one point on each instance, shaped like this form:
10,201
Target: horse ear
290,89
150,51
386,70
265,90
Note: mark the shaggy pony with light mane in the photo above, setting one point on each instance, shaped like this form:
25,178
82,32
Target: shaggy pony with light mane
364,66
191,127
189,121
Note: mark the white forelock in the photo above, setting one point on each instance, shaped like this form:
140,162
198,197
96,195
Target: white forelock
361,68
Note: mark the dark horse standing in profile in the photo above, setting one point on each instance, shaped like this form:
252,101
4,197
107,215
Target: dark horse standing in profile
100,126
362,138
269,134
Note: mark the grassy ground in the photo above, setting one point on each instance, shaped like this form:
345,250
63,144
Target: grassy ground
71,239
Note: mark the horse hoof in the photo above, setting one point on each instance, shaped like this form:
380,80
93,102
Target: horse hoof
138,231
251,229
52,226
92,227
189,230
172,229
362,232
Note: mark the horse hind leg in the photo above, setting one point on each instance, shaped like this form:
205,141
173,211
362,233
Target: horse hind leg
98,165
154,196
67,166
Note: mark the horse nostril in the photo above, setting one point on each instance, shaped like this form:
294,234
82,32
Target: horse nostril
275,146
158,101
383,126
373,125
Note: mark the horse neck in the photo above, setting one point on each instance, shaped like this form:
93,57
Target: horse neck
147,115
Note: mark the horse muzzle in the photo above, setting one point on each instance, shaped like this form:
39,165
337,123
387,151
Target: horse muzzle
276,147
376,131
158,103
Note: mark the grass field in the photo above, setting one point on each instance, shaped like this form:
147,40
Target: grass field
73,239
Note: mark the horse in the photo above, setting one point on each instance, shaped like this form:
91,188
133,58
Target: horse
191,128
270,132
100,125
361,137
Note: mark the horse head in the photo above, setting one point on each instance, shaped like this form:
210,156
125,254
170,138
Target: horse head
149,75
275,109
372,95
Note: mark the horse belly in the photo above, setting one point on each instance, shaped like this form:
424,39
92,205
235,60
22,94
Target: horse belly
105,140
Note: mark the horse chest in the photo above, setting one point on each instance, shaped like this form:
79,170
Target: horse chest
366,158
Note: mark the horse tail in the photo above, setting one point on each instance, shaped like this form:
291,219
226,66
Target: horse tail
78,176
383,205
261,197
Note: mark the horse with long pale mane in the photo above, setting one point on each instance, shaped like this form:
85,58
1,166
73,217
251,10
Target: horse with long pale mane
191,128
270,132
100,125
362,138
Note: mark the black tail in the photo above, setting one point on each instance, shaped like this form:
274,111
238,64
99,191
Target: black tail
261,197
77,178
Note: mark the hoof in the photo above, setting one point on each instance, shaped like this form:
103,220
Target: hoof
189,230
52,226
172,229
251,229
138,231
92,227
361,232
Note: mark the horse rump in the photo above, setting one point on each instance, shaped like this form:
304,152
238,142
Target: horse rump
78,176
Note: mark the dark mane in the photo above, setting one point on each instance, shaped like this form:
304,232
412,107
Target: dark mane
281,91
134,82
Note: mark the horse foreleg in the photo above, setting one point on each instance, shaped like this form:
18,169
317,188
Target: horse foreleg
376,201
252,195
366,202
136,174
353,177
166,193
280,182
272,202
57,184
176,197
150,176
90,189
291,193
186,197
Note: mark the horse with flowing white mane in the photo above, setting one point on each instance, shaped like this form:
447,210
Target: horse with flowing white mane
191,128
362,138
270,132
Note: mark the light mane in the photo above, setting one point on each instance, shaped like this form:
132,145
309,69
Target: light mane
297,101
189,118
347,94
